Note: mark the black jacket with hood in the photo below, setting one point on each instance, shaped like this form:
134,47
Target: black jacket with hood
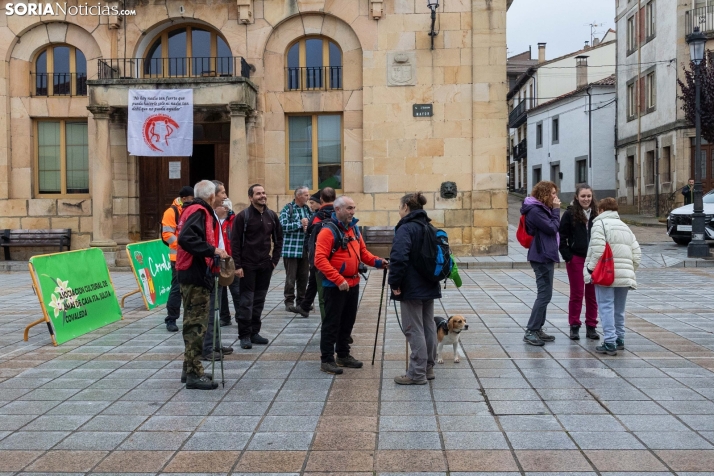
408,237
574,235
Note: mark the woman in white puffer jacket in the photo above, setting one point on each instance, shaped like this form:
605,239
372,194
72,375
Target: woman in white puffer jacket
608,228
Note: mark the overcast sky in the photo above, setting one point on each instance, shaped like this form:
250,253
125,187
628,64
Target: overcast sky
563,24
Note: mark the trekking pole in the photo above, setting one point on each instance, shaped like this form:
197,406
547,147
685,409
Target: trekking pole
379,314
213,347
217,325
219,340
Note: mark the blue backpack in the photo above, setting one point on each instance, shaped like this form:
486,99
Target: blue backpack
433,259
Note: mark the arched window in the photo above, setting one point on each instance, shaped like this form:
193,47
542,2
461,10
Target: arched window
314,63
60,70
188,51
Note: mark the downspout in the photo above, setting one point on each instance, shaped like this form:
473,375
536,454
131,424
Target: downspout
639,108
656,166
591,179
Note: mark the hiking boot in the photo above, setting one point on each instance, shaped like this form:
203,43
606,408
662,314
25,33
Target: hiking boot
183,376
430,373
225,323
171,326
193,381
574,332
591,333
404,380
350,340
258,339
532,338
227,350
288,306
606,348
212,356
299,310
245,343
349,362
545,337
330,368
620,344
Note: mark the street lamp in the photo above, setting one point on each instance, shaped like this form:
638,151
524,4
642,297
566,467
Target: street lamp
697,248
433,5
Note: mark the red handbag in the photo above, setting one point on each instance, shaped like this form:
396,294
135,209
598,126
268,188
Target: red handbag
604,273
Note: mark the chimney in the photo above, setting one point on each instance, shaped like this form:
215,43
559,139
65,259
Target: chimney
587,45
596,41
541,53
581,71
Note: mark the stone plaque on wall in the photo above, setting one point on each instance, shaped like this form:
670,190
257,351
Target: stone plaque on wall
401,68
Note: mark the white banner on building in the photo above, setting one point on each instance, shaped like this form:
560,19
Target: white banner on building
160,122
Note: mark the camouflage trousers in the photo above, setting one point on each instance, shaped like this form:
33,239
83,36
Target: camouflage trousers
195,322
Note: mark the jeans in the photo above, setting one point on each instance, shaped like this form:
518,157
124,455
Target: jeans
544,273
420,330
340,316
578,288
234,288
253,289
173,305
611,302
314,288
297,271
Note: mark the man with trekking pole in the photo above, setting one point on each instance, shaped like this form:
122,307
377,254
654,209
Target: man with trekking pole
338,253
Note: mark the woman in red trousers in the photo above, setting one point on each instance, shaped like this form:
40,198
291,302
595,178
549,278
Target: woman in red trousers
575,227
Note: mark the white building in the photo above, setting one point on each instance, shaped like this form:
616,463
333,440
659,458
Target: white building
544,82
565,133
654,141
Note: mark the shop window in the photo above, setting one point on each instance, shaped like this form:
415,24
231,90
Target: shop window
62,158
188,51
59,70
315,151
313,63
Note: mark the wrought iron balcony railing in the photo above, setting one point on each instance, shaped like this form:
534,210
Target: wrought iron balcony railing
702,17
313,78
59,84
520,150
518,115
189,67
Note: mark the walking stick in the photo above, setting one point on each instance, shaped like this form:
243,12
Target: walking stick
379,314
217,328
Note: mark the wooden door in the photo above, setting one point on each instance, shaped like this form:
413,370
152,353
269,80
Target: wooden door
707,167
158,189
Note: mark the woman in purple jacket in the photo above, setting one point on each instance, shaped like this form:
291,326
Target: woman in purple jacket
542,211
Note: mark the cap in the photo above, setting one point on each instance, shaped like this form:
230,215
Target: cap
315,197
186,191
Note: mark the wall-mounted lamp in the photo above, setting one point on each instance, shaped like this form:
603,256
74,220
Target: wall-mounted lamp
433,5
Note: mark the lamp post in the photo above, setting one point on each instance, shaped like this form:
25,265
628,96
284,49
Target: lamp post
697,248
433,6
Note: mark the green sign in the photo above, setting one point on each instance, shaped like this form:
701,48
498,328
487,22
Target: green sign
152,270
75,291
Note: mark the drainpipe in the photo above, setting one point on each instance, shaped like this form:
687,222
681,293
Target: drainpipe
639,109
590,136
656,165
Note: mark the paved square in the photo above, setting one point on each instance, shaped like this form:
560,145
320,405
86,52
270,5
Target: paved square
111,402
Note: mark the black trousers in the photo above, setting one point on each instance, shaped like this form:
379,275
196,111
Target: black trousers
340,315
253,289
234,288
173,306
310,292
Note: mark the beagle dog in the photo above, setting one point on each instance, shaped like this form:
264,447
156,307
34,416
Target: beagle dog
448,331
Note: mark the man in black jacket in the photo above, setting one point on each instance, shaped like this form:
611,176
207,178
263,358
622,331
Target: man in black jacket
198,239
688,192
255,229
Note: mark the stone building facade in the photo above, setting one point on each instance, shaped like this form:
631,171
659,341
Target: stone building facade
285,92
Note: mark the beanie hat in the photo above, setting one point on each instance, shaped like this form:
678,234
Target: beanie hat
315,197
186,191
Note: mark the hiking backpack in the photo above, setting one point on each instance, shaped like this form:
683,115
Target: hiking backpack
433,260
522,235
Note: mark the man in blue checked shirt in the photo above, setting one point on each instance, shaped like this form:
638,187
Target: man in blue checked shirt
294,219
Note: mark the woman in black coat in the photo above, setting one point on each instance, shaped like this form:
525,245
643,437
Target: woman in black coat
415,294
575,228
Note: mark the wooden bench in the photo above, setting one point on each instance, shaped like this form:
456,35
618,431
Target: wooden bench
57,237
378,239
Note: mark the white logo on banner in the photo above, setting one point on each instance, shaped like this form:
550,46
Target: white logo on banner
160,122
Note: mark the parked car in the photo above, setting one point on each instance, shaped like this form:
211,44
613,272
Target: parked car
679,221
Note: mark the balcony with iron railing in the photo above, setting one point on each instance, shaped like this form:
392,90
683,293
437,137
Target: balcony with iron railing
313,78
59,84
518,115
188,67
702,17
520,150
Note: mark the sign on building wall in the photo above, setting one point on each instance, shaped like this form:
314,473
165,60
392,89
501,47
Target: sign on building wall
160,122
152,270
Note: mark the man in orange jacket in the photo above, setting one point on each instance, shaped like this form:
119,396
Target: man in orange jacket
170,238
338,252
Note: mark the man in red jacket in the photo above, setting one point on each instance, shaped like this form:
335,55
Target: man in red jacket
338,252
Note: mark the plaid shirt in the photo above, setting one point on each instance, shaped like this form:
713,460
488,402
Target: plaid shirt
293,234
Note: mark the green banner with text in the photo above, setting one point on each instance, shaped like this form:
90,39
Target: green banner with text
76,292
152,270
